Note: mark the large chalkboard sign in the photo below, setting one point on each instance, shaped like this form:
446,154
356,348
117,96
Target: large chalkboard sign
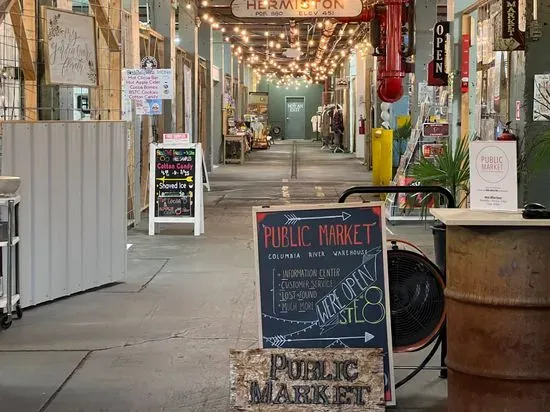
174,194
323,279
175,182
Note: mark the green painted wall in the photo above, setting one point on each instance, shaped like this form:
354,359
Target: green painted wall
277,103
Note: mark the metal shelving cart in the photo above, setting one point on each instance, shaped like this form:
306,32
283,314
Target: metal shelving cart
9,256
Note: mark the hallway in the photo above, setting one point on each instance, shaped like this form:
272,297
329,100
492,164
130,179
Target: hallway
160,341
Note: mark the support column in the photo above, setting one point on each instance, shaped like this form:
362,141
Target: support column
360,109
206,52
188,34
217,91
425,18
164,21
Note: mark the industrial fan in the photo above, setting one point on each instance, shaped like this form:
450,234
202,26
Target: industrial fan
416,289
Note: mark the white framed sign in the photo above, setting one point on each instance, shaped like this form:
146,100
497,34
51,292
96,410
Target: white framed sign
493,176
175,185
176,138
296,9
148,84
70,48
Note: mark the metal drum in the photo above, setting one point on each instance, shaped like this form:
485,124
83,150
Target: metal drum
498,314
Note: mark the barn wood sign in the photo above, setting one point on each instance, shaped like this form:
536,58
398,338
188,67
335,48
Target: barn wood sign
307,380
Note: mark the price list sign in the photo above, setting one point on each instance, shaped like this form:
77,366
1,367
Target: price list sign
323,279
174,182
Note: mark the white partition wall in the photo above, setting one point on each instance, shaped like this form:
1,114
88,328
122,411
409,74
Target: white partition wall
73,204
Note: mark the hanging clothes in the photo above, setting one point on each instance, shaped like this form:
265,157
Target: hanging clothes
326,122
338,121
315,123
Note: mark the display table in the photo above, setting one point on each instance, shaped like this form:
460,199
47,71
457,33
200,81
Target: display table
234,148
498,311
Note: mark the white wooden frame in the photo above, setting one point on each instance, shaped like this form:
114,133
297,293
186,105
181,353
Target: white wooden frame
284,208
198,219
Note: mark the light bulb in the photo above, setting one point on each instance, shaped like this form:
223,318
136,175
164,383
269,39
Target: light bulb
311,42
205,16
266,33
320,25
188,6
204,3
282,35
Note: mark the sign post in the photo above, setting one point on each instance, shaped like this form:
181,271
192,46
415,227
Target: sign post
174,195
493,176
323,279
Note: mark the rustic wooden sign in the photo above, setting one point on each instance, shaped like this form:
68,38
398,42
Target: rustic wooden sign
311,380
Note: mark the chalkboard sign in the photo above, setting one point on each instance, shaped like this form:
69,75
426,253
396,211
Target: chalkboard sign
174,182
323,279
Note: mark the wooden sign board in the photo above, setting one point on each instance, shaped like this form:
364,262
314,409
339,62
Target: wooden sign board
174,195
70,48
323,279
307,380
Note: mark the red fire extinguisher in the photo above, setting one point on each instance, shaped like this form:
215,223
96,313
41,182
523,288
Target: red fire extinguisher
361,124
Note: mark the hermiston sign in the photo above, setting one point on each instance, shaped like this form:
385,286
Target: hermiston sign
296,8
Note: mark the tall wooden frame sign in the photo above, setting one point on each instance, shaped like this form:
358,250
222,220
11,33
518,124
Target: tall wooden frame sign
323,279
70,48
176,189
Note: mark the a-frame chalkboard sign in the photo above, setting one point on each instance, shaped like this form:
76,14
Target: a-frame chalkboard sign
176,185
323,280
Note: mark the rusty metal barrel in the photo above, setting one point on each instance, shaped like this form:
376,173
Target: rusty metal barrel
498,314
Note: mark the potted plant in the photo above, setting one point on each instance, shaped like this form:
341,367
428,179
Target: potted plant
449,169
401,137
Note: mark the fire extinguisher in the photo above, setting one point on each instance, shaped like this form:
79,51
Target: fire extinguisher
361,125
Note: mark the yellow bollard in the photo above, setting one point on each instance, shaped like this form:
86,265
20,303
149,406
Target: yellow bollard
382,150
376,155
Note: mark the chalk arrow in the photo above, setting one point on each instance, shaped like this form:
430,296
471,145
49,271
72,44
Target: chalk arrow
292,219
184,179
279,340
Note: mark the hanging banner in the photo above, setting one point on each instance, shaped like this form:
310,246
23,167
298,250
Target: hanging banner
465,66
508,36
441,31
295,8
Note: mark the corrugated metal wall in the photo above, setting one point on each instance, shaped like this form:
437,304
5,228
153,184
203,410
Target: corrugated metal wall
73,206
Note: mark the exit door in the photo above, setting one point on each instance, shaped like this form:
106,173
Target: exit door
295,125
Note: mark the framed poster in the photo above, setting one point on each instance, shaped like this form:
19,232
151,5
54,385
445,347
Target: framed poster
493,176
70,49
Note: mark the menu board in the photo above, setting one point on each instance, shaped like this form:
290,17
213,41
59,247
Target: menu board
323,279
174,182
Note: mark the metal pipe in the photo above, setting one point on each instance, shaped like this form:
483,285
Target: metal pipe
390,88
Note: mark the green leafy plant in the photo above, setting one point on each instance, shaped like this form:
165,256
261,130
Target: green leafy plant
449,169
403,132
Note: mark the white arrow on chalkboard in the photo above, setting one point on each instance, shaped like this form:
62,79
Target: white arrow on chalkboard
292,218
281,340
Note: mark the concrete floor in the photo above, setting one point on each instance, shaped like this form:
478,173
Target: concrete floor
160,341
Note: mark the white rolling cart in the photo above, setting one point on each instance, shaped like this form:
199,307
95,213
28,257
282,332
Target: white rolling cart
9,245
